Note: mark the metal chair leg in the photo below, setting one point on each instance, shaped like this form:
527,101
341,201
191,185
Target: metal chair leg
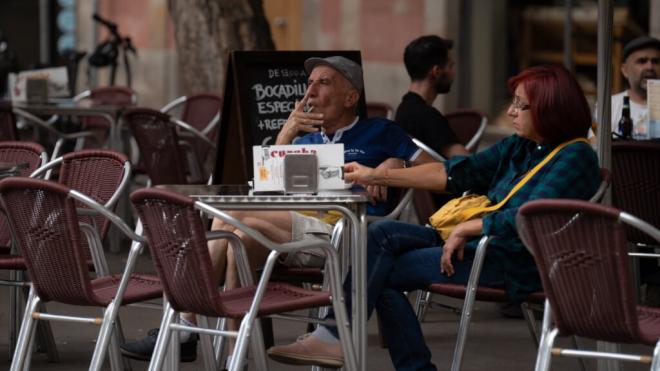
158,357
468,303
207,345
422,303
220,343
30,350
530,320
174,354
545,351
23,342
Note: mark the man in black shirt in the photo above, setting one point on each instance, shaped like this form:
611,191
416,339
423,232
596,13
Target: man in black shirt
431,69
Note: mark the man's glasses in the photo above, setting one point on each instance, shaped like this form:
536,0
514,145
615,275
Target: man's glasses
518,105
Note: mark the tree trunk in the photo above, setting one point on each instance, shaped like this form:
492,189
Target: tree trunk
206,30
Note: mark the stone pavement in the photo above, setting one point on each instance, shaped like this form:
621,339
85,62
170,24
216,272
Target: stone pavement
494,343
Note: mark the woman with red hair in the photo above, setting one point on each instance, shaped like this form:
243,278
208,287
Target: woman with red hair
548,109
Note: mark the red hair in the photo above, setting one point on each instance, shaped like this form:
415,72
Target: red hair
559,110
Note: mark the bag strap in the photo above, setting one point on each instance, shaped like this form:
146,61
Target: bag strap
531,173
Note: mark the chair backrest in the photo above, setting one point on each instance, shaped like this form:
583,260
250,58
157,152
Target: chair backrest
468,125
113,96
156,136
99,174
105,96
636,183
377,109
16,152
45,224
177,241
199,110
581,251
8,129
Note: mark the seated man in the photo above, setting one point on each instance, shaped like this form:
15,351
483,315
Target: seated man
431,69
334,88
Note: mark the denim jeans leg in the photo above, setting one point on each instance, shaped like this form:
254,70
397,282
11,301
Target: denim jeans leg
402,332
385,241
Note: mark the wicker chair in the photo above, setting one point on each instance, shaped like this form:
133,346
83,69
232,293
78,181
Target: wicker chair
473,292
636,189
202,112
468,125
378,109
44,219
581,251
178,242
166,158
34,155
105,96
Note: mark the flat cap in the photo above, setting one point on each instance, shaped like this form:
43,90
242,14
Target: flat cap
349,69
642,42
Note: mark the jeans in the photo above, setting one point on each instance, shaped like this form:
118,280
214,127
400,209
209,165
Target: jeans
406,257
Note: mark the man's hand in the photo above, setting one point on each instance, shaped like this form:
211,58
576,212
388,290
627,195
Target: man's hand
299,120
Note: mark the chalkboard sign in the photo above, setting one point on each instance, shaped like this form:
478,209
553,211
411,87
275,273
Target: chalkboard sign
261,88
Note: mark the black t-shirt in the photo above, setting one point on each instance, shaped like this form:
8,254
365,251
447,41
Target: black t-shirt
424,122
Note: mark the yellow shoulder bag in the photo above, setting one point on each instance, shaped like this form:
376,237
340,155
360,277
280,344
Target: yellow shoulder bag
462,209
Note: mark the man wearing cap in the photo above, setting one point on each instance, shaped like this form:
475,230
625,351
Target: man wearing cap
326,114
641,62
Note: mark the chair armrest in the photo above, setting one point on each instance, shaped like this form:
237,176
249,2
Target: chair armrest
258,236
477,136
114,219
640,224
173,104
214,122
195,132
435,155
237,246
394,214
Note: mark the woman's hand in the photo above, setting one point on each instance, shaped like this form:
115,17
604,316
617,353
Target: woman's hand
456,244
299,120
378,192
360,174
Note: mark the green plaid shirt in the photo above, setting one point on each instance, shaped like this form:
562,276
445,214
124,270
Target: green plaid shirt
571,173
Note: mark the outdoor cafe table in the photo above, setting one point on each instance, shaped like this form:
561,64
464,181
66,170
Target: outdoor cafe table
352,206
109,113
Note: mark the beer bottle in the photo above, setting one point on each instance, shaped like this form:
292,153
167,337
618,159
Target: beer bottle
625,123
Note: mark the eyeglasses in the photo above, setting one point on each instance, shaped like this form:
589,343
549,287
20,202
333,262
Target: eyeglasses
518,105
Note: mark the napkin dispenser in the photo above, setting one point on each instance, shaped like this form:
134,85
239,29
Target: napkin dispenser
301,173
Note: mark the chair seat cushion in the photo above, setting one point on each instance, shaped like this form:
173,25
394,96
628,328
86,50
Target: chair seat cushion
279,297
458,291
649,324
140,287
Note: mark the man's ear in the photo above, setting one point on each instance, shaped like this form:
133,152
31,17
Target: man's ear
351,99
436,71
624,70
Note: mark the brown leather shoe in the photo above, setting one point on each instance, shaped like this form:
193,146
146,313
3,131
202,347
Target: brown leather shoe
308,350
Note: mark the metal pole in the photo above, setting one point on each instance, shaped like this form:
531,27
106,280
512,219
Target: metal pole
44,33
605,21
605,86
95,37
568,35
